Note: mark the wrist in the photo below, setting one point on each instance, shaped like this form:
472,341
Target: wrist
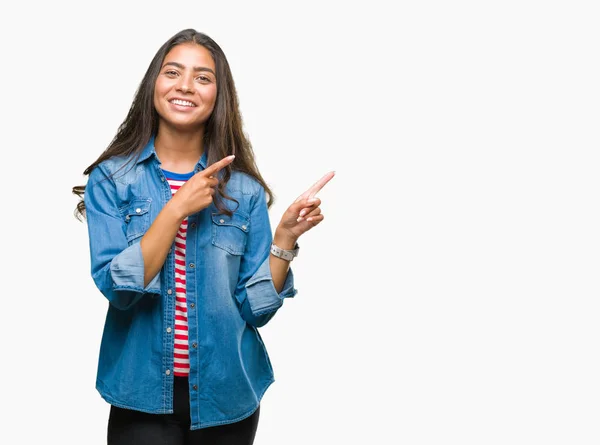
284,240
174,210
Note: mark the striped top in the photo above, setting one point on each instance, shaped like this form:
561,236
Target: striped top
181,357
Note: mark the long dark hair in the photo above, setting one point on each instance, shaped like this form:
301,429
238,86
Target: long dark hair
223,133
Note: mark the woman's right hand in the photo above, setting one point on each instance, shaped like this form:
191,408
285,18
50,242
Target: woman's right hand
198,191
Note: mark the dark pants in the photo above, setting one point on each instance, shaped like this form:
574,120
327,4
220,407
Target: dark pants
128,427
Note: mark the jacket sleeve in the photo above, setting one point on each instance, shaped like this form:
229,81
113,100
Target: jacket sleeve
117,268
255,290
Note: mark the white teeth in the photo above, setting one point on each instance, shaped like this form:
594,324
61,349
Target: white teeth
184,103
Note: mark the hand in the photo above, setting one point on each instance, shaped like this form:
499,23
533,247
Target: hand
198,191
302,215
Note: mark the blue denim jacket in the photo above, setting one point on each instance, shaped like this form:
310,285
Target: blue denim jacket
230,293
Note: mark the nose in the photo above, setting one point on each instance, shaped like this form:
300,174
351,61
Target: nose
184,85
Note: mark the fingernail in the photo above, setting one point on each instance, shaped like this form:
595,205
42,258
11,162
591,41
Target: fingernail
309,219
311,200
299,219
302,212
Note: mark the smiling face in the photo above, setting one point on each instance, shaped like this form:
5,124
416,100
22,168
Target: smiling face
186,88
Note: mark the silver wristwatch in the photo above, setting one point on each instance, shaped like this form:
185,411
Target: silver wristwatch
287,255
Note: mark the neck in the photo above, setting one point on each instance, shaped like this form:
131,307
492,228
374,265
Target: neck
179,152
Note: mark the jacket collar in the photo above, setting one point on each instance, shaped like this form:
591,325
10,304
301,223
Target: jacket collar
149,150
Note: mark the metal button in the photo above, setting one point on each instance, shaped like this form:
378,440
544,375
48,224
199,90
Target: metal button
221,221
192,305
193,225
244,227
138,210
168,372
127,218
169,330
169,291
195,387
192,265
194,345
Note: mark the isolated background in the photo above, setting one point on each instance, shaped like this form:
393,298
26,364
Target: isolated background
450,295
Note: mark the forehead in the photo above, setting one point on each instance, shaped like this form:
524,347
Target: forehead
190,55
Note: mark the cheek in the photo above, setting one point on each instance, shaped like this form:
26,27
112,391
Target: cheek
160,89
209,96
156,95
158,105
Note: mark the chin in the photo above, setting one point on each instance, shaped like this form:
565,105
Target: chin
184,126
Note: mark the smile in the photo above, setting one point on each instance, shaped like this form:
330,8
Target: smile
183,103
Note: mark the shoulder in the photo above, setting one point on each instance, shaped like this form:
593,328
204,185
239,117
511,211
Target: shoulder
115,168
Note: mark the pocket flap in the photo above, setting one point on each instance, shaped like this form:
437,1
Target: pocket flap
235,220
138,207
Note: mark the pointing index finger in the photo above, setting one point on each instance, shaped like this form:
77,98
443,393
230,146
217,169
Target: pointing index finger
312,191
317,186
217,166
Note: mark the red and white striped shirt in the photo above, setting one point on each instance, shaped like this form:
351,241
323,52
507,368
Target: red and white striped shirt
181,356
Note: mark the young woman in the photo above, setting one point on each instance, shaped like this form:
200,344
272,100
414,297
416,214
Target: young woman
182,248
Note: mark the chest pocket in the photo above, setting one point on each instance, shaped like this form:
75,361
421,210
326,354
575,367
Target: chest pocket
137,218
230,233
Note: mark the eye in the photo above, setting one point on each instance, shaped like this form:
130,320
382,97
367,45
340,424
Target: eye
171,73
203,79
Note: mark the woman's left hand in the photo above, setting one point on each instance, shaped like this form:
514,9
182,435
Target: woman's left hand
304,213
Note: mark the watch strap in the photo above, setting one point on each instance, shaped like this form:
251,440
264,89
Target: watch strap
287,255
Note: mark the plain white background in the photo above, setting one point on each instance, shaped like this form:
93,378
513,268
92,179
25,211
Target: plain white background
450,295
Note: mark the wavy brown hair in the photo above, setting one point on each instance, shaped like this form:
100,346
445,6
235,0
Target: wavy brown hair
223,135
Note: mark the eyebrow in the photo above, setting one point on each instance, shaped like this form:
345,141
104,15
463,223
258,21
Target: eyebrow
196,68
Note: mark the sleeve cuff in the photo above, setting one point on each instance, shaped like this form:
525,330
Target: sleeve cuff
127,272
261,293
